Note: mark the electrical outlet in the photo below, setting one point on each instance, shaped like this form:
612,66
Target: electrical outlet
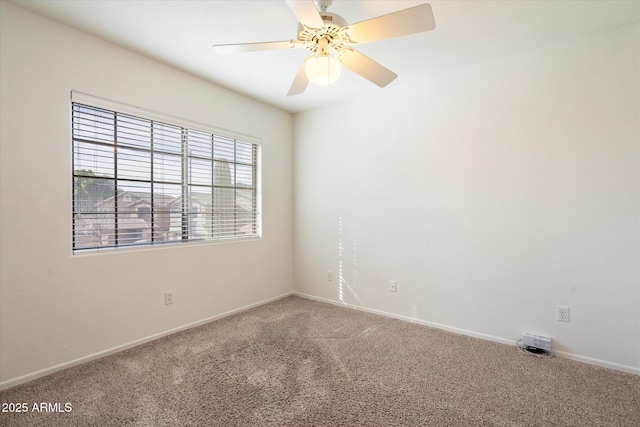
329,276
562,313
168,298
393,287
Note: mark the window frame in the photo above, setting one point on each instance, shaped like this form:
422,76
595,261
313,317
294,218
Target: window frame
188,160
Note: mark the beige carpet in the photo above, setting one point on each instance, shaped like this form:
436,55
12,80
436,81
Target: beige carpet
297,362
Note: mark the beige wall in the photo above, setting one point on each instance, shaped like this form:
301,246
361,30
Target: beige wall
56,307
491,195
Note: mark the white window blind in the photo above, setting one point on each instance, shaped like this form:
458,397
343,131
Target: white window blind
142,181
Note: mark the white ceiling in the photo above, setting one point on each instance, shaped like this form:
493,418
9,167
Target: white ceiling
181,33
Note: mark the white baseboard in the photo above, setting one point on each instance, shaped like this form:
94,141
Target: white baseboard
598,362
41,373
577,357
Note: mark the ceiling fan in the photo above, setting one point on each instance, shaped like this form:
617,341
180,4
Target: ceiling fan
330,40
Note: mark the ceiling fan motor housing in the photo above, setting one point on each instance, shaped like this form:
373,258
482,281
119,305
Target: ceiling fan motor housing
333,32
333,19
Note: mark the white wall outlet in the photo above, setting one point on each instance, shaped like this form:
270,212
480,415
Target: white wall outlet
168,298
329,276
562,313
393,286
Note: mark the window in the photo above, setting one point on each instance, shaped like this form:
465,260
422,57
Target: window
140,180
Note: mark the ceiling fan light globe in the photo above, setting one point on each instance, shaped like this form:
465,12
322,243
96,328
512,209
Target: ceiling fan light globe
322,70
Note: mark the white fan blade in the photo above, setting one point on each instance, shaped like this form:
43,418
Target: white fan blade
367,68
300,82
225,49
408,21
306,13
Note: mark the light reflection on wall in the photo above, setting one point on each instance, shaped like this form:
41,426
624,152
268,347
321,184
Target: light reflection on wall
344,285
340,266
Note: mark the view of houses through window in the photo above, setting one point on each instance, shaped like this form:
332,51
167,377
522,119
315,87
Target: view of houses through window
137,181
